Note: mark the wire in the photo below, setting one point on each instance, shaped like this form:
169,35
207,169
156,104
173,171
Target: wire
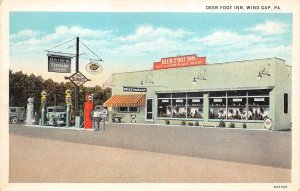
62,43
91,51
68,48
88,58
49,52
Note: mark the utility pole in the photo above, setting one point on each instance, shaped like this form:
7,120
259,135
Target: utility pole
77,88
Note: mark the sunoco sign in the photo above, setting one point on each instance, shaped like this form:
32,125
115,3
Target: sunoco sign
59,64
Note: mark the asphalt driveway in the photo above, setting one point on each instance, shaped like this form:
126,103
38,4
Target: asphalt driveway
260,147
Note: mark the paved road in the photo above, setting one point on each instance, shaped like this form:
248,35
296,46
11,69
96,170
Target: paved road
267,148
44,160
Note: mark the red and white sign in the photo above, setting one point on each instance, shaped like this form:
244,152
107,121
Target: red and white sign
179,61
78,79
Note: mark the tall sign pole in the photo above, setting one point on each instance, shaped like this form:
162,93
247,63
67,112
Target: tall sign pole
77,87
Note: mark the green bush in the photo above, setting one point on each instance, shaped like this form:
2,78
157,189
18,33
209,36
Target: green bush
244,125
190,124
183,122
222,124
231,125
167,121
197,123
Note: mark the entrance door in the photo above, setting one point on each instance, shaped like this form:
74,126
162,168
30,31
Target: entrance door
149,109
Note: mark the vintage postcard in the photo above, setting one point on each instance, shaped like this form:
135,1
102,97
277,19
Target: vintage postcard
154,95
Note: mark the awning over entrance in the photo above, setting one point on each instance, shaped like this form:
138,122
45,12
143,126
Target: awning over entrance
134,100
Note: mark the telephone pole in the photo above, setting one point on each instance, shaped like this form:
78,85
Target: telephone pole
77,70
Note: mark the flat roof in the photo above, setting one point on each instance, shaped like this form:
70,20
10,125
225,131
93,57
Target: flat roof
231,62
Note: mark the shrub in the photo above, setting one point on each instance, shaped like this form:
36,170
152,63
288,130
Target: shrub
190,124
197,123
183,122
231,125
222,124
167,121
244,125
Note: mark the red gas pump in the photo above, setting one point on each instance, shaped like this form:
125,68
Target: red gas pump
88,108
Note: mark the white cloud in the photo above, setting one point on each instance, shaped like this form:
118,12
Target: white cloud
147,44
270,28
223,38
25,34
61,34
148,33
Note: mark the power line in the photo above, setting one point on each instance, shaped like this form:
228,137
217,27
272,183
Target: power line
68,48
92,51
62,43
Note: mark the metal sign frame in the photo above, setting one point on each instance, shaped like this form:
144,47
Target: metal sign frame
83,79
59,64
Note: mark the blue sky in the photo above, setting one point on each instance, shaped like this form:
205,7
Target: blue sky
133,41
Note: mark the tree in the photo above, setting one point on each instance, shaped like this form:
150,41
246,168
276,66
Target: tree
22,86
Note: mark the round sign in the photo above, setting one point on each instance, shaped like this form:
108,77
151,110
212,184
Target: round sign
94,68
268,124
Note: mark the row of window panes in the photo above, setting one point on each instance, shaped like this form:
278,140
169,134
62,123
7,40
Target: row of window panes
180,105
239,105
256,109
236,108
170,108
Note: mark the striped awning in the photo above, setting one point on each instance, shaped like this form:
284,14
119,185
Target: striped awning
134,100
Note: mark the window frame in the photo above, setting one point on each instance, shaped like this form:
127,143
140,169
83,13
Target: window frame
128,107
247,96
285,103
146,109
185,98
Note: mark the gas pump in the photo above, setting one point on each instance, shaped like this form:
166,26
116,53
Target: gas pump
29,112
88,108
69,104
99,115
43,107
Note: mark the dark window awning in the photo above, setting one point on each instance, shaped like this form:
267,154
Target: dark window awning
134,100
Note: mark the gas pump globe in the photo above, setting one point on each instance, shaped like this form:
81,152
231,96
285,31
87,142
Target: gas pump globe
43,98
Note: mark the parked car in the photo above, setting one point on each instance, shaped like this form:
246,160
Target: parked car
56,115
16,114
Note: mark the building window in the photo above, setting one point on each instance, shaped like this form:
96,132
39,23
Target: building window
286,103
128,109
179,108
164,108
217,108
237,108
239,105
149,109
195,108
258,108
180,105
13,110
